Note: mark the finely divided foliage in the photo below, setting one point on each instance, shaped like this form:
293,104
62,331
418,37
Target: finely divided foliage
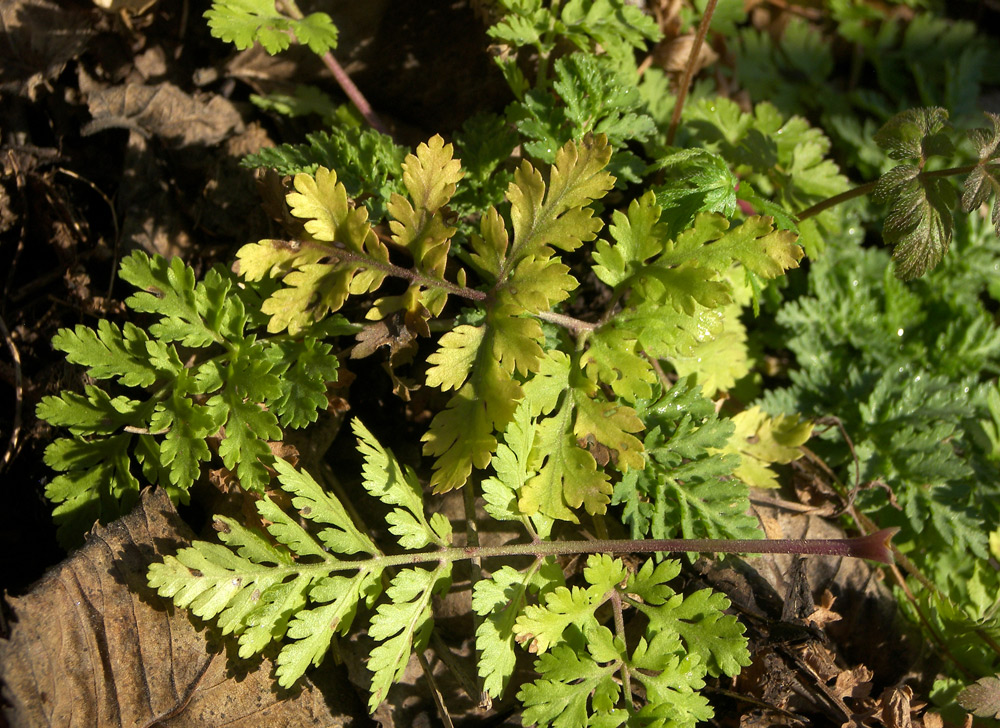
198,371
577,366
530,406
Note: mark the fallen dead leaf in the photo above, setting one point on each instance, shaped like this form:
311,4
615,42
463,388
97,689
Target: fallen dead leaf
92,645
40,38
162,110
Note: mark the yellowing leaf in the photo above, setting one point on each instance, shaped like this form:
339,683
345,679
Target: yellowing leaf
490,245
538,284
760,440
430,177
456,353
515,341
562,220
720,360
610,424
461,435
613,356
568,476
340,233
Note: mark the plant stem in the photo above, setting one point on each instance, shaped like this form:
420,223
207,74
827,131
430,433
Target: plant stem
567,322
343,80
875,547
868,188
692,61
388,268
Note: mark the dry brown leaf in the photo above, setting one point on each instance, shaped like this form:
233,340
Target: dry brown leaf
824,613
855,683
673,57
40,38
896,708
982,698
163,110
92,645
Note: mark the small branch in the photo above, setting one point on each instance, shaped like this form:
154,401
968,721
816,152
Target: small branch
692,62
875,547
15,431
388,268
354,94
829,202
568,322
343,80
616,605
867,189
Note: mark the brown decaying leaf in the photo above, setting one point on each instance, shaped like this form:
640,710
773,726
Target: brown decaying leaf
163,110
40,38
92,645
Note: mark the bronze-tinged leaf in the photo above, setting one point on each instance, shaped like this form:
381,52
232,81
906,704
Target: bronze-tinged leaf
92,645
982,698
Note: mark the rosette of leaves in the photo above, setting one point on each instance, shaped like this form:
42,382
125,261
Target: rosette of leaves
667,297
199,378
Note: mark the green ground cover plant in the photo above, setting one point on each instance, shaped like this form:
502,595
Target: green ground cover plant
584,290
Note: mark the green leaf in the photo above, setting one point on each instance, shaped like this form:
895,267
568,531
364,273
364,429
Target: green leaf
579,682
313,629
695,180
303,368
720,361
542,627
96,484
183,448
402,625
984,179
686,490
92,413
320,507
111,352
919,225
394,486
245,22
194,314
755,244
501,600
455,356
638,237
244,449
914,134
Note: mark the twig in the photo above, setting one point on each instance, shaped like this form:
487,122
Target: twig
114,219
435,690
16,431
682,92
354,94
343,80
